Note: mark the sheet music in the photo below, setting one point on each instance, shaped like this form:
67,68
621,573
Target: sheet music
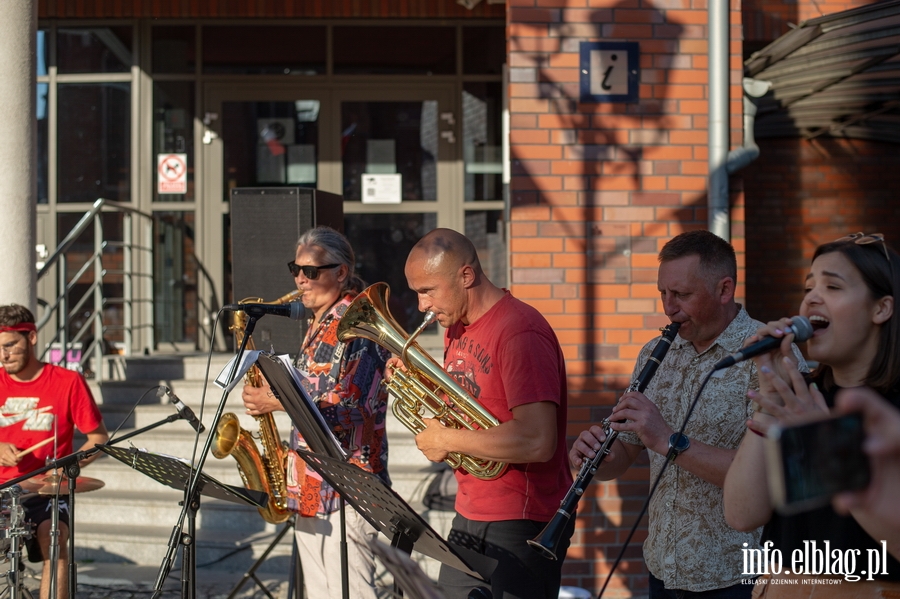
309,406
298,377
247,361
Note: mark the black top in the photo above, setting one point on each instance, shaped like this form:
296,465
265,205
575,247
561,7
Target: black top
824,524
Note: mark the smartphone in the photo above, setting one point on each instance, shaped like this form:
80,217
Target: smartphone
809,463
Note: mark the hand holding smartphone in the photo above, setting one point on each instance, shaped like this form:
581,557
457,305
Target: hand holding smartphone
809,463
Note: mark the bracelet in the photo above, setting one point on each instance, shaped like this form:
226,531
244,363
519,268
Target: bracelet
756,432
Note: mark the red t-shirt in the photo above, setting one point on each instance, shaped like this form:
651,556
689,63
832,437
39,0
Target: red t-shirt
507,358
54,402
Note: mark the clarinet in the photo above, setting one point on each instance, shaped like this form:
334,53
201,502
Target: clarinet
547,542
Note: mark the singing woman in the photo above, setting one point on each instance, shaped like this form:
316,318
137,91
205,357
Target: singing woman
850,291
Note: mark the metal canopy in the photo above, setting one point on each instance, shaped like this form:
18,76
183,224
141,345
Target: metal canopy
838,75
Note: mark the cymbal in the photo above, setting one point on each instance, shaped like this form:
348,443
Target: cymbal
48,484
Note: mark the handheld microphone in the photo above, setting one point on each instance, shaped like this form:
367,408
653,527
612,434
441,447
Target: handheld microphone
293,310
801,328
186,412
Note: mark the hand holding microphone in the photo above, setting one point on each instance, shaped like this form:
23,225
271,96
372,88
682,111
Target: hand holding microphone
185,411
800,327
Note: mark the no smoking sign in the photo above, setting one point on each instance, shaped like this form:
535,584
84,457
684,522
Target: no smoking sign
172,171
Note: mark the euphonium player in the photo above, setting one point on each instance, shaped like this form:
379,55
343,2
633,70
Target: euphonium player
344,379
506,356
690,550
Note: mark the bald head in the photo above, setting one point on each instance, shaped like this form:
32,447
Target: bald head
445,250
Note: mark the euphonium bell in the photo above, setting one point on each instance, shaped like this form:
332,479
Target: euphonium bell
425,390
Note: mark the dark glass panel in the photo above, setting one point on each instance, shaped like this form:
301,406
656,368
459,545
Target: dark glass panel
381,243
484,50
174,49
270,143
486,230
173,132
175,278
43,151
394,50
264,49
482,107
94,49
388,138
94,145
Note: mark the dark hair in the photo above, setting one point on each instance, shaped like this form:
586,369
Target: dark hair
337,250
880,276
717,257
14,314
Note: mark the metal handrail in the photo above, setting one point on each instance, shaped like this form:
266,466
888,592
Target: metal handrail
61,314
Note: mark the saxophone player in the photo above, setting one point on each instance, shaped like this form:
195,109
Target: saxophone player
506,356
690,549
344,379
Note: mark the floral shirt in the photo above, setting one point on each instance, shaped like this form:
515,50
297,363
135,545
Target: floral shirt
689,545
344,379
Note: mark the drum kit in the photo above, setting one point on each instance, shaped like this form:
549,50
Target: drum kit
15,530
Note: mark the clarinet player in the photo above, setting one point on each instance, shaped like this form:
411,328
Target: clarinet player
690,550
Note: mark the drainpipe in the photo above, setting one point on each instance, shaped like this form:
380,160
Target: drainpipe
721,161
719,218
754,89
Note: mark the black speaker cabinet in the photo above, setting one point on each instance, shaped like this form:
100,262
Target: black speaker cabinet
265,225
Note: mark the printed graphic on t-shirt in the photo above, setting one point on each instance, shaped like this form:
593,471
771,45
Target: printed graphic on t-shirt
17,409
465,376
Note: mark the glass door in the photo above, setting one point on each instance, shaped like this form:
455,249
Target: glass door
389,151
397,168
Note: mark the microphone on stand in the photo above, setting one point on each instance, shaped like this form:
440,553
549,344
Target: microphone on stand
185,411
800,327
293,310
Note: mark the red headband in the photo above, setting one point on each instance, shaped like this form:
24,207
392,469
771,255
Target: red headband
22,327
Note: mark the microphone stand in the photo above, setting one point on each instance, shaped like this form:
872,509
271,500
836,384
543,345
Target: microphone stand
191,492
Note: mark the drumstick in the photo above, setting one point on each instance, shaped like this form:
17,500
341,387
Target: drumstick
37,445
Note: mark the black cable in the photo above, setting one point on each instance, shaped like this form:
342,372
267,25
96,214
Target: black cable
128,415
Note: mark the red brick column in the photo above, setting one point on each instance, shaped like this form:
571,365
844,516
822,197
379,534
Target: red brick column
596,190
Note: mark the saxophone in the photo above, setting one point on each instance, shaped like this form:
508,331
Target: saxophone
260,472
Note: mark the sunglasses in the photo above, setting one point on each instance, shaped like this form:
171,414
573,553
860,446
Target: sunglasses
865,239
310,272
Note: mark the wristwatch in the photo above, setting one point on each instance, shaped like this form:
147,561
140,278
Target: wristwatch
677,449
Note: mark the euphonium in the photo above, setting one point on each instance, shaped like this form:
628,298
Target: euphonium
260,472
425,386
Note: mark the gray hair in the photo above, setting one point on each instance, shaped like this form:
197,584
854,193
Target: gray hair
337,250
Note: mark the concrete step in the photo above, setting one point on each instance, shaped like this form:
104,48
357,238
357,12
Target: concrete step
177,438
134,493
146,391
190,366
147,545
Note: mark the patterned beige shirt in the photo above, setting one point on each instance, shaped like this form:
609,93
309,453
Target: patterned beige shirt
690,546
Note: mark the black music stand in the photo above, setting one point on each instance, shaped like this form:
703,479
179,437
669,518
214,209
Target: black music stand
175,473
389,513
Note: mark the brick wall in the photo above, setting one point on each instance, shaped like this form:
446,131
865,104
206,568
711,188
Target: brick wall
766,20
804,193
596,190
